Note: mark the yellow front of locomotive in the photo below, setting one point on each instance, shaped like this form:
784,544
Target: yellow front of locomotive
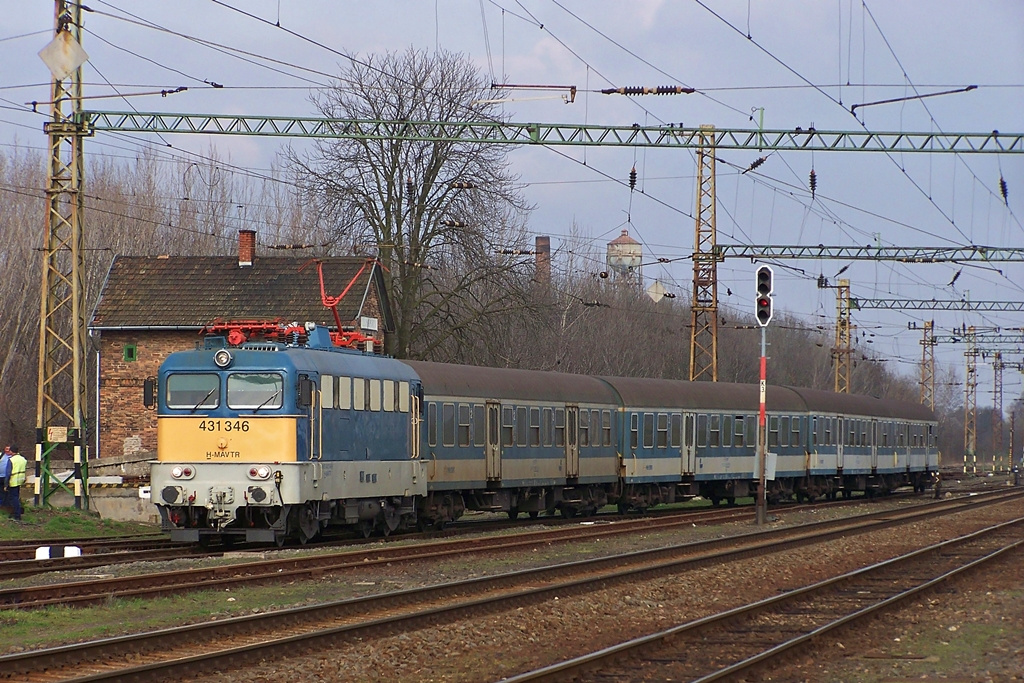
228,438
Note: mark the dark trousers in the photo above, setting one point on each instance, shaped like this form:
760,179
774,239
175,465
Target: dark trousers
14,501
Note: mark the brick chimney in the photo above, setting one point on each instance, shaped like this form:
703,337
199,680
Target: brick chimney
542,264
246,247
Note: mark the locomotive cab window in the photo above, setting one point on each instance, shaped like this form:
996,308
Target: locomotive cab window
193,391
327,384
403,397
263,391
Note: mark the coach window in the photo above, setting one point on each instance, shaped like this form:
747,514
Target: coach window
403,397
432,424
595,428
327,383
828,431
726,430
584,428
784,430
546,424
534,426
389,396
606,427
448,424
508,424
374,394
675,430
715,437
773,431
522,426
662,440
649,430
344,393
193,391
634,430
255,390
702,430
358,393
465,411
480,425
560,426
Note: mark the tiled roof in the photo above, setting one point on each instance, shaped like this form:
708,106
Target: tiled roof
193,291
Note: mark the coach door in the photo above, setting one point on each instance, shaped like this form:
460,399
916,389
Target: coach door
840,437
876,439
492,453
689,452
572,442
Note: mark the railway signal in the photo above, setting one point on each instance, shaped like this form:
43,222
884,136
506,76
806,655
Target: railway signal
763,308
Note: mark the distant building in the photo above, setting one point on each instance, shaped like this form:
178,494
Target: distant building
624,259
151,306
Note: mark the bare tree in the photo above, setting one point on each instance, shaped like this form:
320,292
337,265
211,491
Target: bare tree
434,211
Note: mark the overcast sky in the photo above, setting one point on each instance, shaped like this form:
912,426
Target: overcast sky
805,62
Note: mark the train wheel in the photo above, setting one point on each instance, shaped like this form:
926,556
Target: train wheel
366,528
623,508
534,514
279,539
513,513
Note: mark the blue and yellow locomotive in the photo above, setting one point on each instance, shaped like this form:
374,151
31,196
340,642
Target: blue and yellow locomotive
274,439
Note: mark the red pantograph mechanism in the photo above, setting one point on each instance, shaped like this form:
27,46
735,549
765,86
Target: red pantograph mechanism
238,332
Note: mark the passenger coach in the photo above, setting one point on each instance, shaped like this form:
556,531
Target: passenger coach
266,440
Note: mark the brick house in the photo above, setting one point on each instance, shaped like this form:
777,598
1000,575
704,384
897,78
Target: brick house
151,306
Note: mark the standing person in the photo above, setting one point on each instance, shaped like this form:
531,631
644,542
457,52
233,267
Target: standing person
14,483
5,474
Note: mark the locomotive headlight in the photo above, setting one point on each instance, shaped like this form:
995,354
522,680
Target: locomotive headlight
261,472
182,472
222,358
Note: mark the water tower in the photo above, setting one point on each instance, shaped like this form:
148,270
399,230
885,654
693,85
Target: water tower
624,257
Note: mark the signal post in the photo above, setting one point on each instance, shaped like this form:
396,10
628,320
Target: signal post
763,312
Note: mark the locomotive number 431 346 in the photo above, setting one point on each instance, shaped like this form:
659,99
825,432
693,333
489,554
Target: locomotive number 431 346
224,426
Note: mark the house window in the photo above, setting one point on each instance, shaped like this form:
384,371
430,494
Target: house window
130,353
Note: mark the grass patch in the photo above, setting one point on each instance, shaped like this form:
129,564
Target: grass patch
59,625
63,524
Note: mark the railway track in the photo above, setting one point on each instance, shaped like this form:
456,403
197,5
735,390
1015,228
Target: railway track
751,638
101,590
173,654
14,551
17,559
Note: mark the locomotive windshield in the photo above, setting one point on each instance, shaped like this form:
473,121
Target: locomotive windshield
193,391
255,390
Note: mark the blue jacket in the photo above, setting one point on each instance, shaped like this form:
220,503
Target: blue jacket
5,469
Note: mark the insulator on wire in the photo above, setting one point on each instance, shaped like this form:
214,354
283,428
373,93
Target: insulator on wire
462,185
409,191
643,90
454,224
632,179
757,162
1004,191
814,182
